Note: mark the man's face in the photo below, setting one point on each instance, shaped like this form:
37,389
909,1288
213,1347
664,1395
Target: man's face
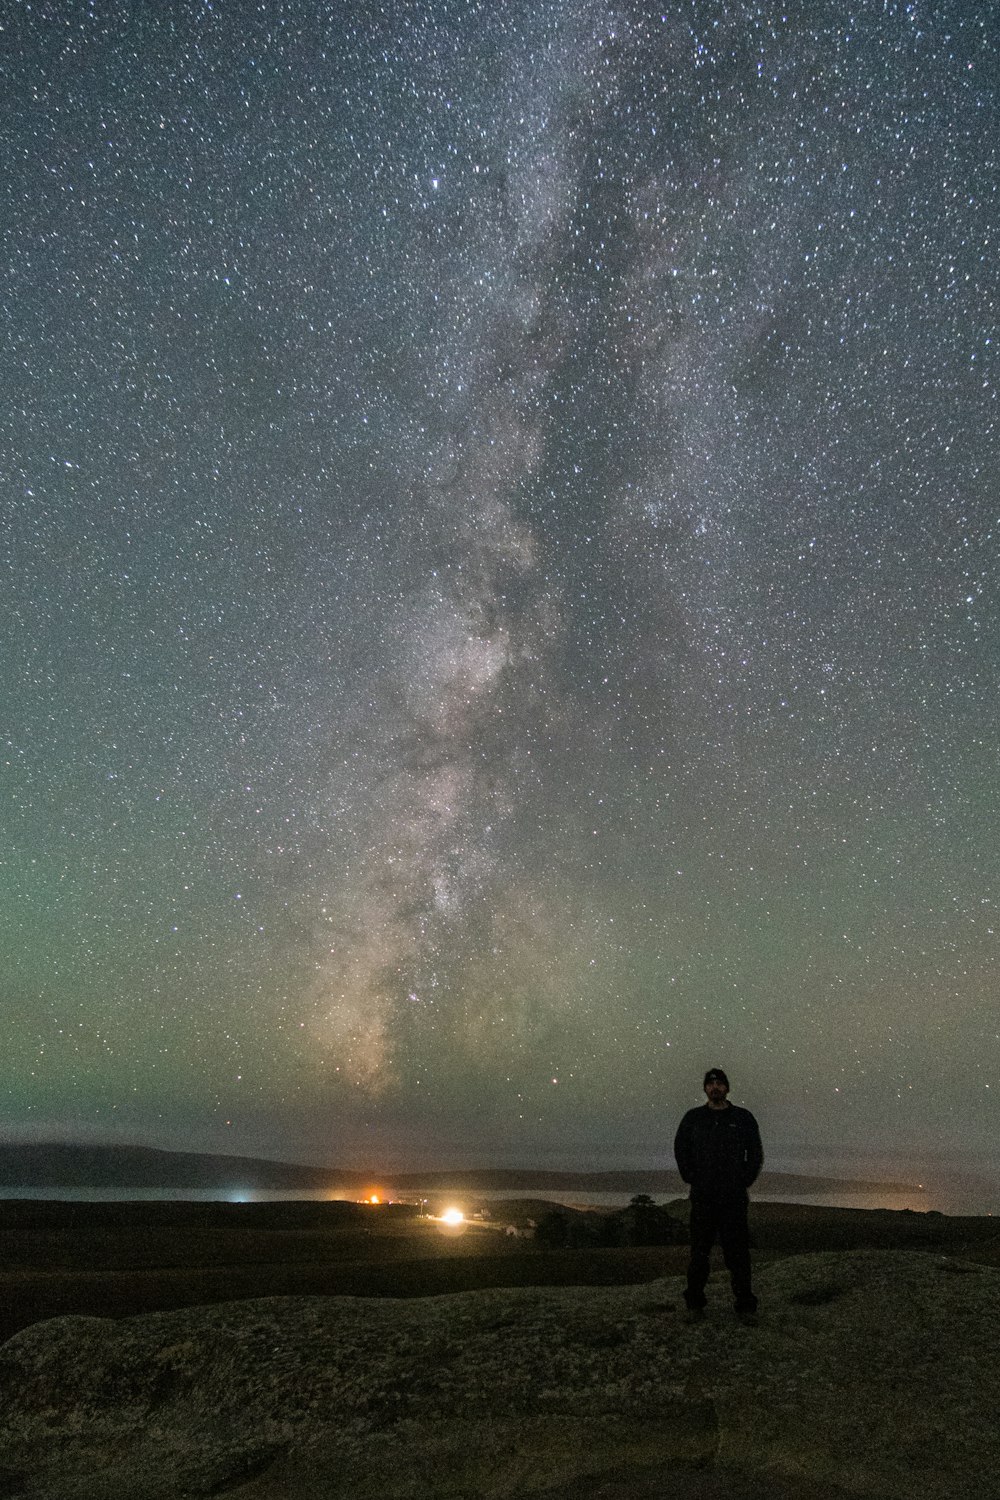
716,1091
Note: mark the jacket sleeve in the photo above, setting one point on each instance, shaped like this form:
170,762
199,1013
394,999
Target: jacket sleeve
754,1151
683,1153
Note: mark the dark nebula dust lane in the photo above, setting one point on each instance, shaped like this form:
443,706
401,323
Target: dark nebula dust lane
499,561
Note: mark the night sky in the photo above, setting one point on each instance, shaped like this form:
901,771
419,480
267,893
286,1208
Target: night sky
499,555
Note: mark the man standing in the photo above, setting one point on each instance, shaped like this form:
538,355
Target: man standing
719,1155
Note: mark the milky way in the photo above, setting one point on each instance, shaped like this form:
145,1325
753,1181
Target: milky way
500,561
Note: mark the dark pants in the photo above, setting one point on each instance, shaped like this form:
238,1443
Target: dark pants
724,1219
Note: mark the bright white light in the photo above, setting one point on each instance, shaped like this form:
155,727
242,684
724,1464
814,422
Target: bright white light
453,1216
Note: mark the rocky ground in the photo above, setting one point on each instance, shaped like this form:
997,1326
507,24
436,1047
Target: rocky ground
870,1373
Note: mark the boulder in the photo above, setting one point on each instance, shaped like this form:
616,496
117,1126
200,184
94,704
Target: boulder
870,1373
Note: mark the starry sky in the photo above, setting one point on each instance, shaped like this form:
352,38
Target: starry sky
499,555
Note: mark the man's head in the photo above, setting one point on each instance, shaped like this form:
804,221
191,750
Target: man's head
716,1087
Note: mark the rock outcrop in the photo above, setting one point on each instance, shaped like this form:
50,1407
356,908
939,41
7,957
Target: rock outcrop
870,1374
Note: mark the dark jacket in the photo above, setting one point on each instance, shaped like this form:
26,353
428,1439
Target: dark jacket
718,1151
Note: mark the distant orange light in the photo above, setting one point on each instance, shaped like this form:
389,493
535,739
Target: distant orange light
453,1216
373,1198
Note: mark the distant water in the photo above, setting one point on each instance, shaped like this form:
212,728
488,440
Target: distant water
964,1203
179,1195
974,1204
970,1201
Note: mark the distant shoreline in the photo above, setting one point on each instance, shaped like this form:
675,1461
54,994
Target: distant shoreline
916,1203
59,1165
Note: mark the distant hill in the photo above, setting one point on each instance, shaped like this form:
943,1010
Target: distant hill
49,1166
61,1165
499,1180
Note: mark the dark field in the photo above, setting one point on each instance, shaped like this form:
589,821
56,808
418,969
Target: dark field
111,1260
